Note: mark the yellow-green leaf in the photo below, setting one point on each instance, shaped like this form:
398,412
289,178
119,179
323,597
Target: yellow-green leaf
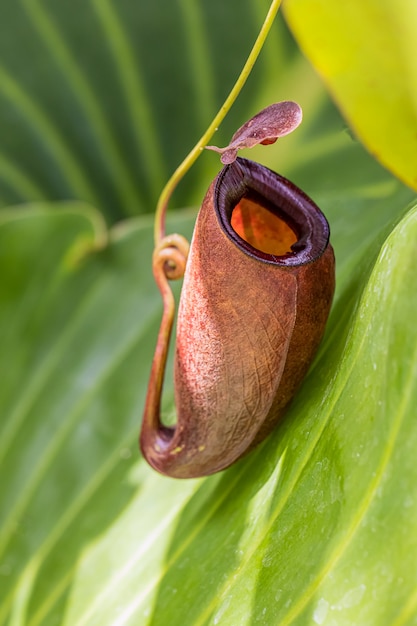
366,52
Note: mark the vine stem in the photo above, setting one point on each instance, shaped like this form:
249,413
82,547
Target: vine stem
182,169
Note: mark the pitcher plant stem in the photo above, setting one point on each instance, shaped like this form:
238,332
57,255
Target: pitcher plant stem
182,169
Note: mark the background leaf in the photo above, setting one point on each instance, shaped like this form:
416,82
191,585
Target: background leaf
317,525
106,97
365,52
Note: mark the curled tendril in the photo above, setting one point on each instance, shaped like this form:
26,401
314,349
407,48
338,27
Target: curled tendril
168,262
170,257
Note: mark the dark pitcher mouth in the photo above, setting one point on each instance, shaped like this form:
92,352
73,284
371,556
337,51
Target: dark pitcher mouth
267,216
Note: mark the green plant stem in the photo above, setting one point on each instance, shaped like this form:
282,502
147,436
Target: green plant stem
159,229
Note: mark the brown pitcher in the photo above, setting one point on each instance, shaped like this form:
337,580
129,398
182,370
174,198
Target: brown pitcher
257,291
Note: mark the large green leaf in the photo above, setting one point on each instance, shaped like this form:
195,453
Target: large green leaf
317,525
365,50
